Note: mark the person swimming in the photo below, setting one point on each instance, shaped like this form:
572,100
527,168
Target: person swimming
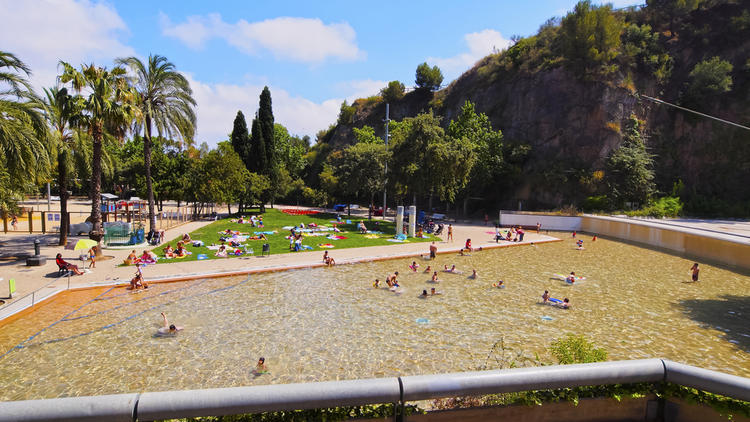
565,304
474,274
424,294
168,328
414,266
376,283
434,292
499,284
428,269
435,277
571,278
545,296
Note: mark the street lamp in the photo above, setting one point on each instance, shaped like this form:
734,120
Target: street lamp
385,173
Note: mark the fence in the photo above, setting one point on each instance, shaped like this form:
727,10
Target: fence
397,390
29,221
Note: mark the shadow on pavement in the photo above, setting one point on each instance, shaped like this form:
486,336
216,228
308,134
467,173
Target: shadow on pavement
730,314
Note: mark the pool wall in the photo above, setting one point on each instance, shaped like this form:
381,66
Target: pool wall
723,248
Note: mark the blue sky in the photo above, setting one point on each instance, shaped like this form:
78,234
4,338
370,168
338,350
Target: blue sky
312,55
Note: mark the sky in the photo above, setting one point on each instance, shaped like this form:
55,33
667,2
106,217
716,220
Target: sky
311,55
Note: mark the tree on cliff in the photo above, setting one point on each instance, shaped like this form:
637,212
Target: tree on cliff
709,78
630,169
671,10
590,38
428,77
393,92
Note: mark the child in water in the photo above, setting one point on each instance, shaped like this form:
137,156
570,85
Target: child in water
414,266
376,284
261,367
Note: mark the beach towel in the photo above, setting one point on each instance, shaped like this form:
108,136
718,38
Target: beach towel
326,245
197,243
201,256
372,236
335,237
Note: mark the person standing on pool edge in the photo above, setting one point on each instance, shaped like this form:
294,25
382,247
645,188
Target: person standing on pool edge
694,270
433,250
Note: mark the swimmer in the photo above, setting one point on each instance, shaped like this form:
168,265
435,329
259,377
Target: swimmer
435,277
414,266
499,284
260,367
424,294
571,278
579,243
428,269
433,292
376,283
454,270
545,296
168,328
565,304
393,279
474,274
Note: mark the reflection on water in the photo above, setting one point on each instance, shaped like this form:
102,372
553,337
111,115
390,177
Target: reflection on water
330,324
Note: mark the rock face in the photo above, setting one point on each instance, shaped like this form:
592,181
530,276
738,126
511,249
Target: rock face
573,124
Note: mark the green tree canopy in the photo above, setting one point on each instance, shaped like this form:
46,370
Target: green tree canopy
23,132
428,77
358,169
394,91
590,38
366,134
240,138
709,78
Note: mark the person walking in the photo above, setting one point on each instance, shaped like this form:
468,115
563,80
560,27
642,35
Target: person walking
450,232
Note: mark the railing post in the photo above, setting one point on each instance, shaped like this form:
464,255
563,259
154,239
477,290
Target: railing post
31,221
44,222
33,297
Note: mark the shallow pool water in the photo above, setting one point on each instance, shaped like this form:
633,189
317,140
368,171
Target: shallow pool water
329,323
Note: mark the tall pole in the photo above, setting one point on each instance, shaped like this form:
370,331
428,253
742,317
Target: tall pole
385,173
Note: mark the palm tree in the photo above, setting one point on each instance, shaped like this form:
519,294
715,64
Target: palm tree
63,116
23,131
106,103
163,100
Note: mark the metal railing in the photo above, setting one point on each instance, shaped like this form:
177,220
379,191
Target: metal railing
397,390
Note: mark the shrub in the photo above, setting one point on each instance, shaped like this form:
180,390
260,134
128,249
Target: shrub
596,203
576,349
668,206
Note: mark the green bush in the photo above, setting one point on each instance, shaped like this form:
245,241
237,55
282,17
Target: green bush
596,203
668,206
576,349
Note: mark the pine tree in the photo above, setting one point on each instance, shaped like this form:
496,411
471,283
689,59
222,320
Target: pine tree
258,158
241,139
265,118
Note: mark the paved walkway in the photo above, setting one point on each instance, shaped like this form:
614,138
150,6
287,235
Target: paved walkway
107,272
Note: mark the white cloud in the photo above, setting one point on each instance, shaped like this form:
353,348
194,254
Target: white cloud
298,39
364,88
43,32
480,44
218,105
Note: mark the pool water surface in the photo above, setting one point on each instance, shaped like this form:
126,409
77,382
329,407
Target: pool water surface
330,323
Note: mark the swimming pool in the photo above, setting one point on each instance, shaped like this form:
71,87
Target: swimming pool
329,323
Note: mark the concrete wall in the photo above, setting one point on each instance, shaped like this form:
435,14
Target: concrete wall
691,242
549,222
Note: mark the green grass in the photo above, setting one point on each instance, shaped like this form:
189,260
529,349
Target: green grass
275,220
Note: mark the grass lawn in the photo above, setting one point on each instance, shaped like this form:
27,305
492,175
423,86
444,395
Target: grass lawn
275,221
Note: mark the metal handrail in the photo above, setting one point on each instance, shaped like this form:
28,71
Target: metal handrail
238,400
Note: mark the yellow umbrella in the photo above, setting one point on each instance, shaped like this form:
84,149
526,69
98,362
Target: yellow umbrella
84,244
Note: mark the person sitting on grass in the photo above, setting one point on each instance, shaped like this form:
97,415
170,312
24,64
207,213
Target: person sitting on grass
222,252
185,238
362,227
66,265
180,251
131,259
148,257
168,251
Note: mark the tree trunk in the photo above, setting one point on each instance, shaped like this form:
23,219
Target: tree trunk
414,199
429,203
96,183
62,171
147,165
466,206
229,208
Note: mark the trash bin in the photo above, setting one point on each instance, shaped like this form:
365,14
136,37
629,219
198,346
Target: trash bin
266,249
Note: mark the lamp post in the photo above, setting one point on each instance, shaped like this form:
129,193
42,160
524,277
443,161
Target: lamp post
385,173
